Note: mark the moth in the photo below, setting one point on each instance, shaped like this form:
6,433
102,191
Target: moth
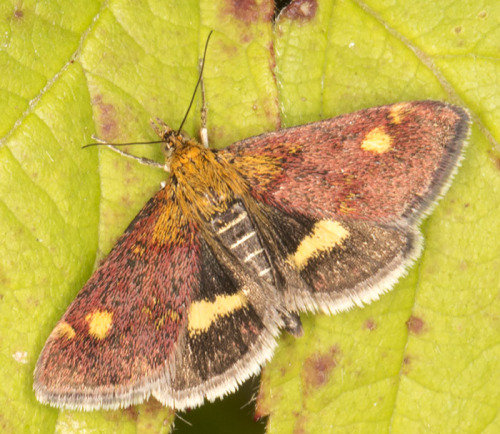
190,301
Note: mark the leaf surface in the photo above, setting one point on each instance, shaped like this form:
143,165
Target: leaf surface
426,356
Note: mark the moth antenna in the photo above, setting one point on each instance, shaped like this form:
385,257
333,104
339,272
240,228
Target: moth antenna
141,160
197,83
100,142
203,132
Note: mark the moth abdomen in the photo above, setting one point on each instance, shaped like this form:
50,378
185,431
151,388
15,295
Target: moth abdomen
240,236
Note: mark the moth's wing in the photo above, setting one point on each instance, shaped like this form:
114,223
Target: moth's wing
110,347
231,333
160,316
350,191
382,164
333,264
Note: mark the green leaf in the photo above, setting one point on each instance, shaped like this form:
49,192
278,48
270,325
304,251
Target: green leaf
425,357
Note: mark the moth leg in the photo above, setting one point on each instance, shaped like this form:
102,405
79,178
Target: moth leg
204,109
141,160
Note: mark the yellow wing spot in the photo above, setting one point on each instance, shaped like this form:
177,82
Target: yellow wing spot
344,205
169,315
398,112
63,329
137,249
262,167
160,322
345,208
377,141
325,235
173,315
203,313
100,323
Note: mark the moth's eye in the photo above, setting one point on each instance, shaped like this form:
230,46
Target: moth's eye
167,149
184,135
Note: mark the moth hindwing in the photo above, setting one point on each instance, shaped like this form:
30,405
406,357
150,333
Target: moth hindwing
190,300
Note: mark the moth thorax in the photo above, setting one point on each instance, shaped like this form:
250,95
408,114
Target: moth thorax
187,156
236,232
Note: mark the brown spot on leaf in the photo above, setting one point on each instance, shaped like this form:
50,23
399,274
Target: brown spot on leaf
248,11
303,10
457,29
4,280
272,59
262,402
496,160
405,369
261,409
116,415
244,10
106,114
415,325
482,14
18,13
231,50
148,413
370,324
132,412
317,368
299,427
246,38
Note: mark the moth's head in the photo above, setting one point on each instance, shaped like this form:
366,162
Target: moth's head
171,139
174,142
